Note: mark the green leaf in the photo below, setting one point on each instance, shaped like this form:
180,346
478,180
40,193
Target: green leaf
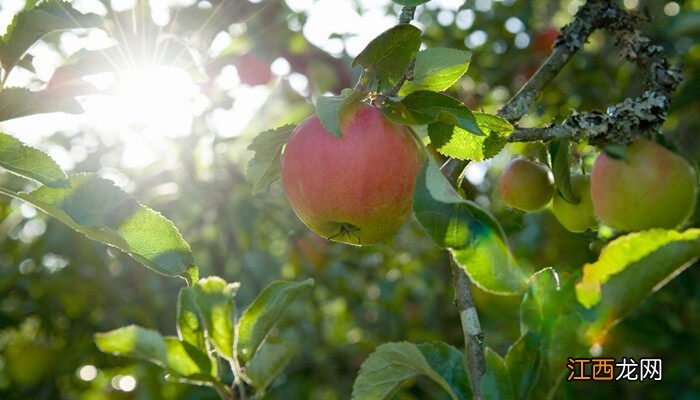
265,166
425,107
559,152
547,297
437,69
330,109
410,2
263,313
455,142
474,236
134,341
496,383
267,364
523,364
98,209
213,302
32,24
393,363
388,56
30,162
448,362
189,362
629,269
20,102
189,326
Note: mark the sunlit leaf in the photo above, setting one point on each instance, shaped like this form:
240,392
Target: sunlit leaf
437,69
189,326
455,142
97,208
393,363
134,341
267,364
388,56
263,313
629,269
30,162
190,362
20,102
331,108
32,24
425,107
264,168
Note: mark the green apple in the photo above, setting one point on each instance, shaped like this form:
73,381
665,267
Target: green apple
648,187
526,185
578,217
357,189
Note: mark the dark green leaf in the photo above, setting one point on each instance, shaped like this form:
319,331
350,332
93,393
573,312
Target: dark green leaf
547,297
263,313
437,69
32,24
523,364
30,162
425,107
455,142
388,56
330,109
134,341
20,102
629,269
410,2
97,208
267,364
393,363
496,383
559,152
448,362
264,168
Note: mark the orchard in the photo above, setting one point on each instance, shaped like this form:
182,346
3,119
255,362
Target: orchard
405,199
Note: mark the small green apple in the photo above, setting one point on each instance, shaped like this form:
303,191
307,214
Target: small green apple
526,185
578,217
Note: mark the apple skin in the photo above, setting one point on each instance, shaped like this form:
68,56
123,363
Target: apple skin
651,188
357,189
252,71
526,185
576,217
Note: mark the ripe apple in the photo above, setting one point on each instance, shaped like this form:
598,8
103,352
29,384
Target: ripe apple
252,71
526,185
357,189
649,187
578,217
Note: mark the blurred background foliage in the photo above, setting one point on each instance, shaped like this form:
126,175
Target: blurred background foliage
257,65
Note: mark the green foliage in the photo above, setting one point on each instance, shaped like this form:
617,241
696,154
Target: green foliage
268,363
559,152
101,211
32,24
261,316
330,109
30,162
629,269
425,107
20,102
134,341
437,69
387,56
410,2
406,361
496,383
265,166
475,238
523,364
455,142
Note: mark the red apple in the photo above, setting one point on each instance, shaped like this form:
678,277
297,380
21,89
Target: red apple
526,185
356,189
649,187
252,71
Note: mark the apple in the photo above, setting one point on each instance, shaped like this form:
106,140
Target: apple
526,185
544,40
578,217
252,71
357,189
649,187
